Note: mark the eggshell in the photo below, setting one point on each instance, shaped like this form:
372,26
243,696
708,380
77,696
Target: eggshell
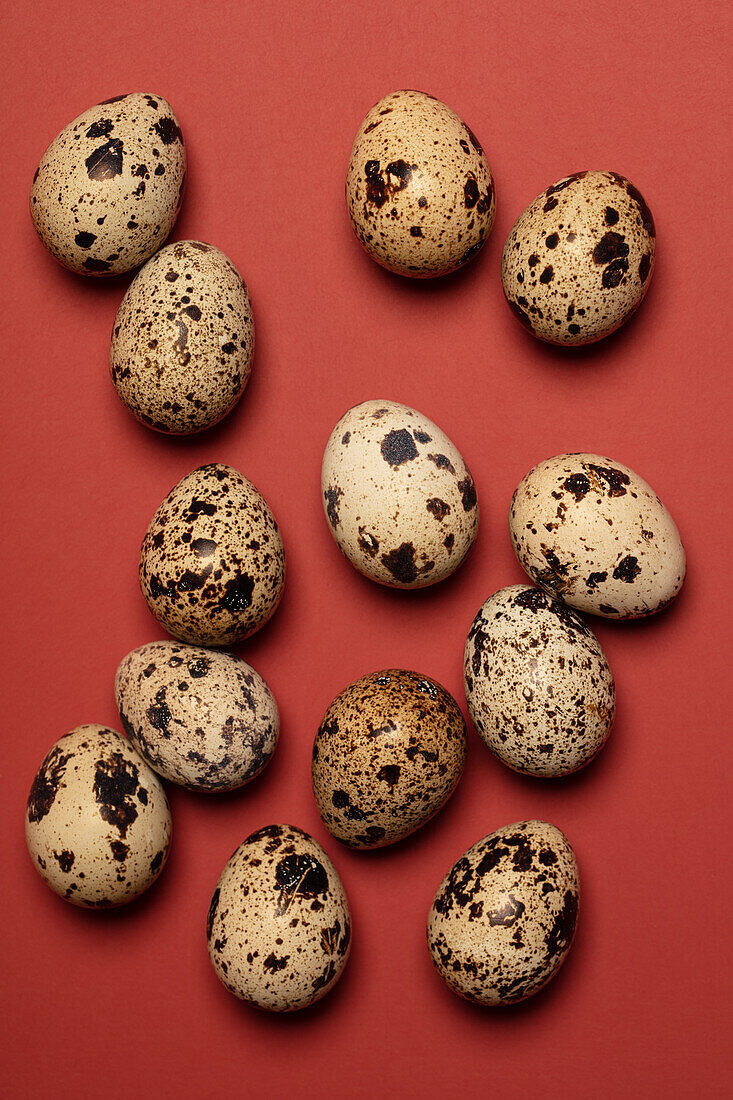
398,496
538,686
279,927
212,567
504,917
183,339
199,717
389,753
580,258
109,187
588,530
97,824
419,189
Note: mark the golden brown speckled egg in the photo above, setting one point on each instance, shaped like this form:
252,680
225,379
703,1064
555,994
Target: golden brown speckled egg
108,189
388,754
538,686
183,339
503,919
212,567
591,532
579,259
398,496
97,824
199,717
419,189
279,927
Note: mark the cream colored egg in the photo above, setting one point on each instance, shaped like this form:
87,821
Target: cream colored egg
503,918
419,189
279,927
97,824
593,533
398,496
109,187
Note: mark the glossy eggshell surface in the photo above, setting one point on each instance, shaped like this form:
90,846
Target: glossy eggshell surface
183,339
580,258
199,717
108,189
538,686
419,189
398,496
212,567
279,927
504,917
591,532
388,754
97,824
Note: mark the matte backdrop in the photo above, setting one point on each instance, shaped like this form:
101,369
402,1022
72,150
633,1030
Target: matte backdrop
269,96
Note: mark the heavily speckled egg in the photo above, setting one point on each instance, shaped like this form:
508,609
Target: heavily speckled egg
183,339
212,567
419,189
388,754
579,259
398,497
97,824
201,718
538,686
591,532
279,927
108,189
503,919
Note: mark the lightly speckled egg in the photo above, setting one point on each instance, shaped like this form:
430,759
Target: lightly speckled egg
588,530
183,339
387,756
504,917
580,258
398,496
212,567
109,187
538,686
199,717
419,189
97,824
279,927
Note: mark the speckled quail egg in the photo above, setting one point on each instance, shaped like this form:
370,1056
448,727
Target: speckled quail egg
109,187
504,917
212,567
591,532
183,339
538,686
279,927
388,754
398,497
579,259
419,189
201,718
97,824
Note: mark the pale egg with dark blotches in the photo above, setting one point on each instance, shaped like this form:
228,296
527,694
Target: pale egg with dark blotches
108,189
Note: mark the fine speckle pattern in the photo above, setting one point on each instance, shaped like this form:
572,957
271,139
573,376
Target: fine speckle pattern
419,189
279,927
538,686
580,258
109,187
388,754
398,496
504,917
591,532
97,824
212,567
183,339
201,718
